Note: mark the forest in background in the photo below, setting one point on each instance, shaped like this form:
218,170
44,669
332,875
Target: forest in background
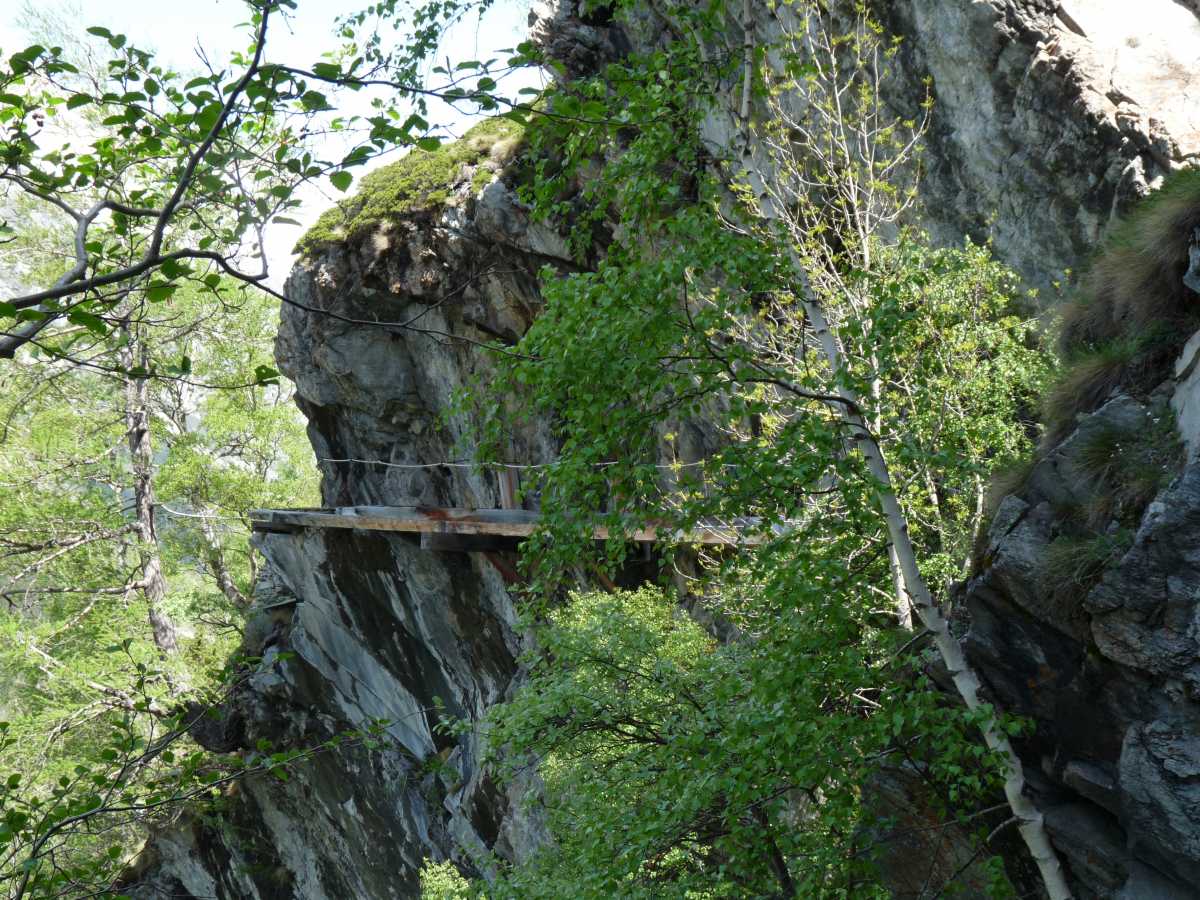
862,389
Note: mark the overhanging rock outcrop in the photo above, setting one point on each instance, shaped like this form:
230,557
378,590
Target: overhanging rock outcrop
1036,142
363,626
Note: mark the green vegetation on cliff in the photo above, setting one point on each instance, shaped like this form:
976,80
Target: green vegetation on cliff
421,180
1132,312
781,340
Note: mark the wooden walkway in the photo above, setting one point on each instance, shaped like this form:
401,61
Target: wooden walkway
478,529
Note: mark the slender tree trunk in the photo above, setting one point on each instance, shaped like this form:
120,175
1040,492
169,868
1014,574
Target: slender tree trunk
904,604
216,563
1028,815
141,460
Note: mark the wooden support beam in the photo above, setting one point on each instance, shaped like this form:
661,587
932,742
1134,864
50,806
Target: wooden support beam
510,523
275,528
509,486
468,543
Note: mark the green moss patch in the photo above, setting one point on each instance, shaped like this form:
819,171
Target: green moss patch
421,180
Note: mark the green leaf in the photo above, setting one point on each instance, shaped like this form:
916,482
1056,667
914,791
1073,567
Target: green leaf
91,322
206,118
341,180
415,123
314,101
266,375
173,268
78,100
158,291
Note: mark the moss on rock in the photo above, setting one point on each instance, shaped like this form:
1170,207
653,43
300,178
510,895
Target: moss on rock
421,180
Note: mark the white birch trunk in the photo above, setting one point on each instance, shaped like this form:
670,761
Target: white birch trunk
1028,816
912,583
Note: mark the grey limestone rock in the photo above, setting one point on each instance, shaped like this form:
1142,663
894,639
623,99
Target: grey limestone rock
1109,677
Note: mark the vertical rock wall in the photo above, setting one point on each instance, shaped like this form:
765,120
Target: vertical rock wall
359,627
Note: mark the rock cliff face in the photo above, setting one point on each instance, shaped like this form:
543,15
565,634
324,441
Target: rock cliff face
1049,117
364,626
1047,120
1107,667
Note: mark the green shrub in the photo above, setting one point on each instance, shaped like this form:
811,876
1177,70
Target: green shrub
442,881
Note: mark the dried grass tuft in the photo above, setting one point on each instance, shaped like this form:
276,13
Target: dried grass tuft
1137,279
1127,467
1072,566
1132,312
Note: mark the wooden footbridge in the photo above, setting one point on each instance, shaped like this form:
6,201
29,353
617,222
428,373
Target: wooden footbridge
450,529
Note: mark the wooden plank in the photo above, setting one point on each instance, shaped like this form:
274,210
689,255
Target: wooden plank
412,519
512,523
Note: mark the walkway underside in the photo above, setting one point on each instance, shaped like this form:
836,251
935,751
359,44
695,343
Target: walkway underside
471,525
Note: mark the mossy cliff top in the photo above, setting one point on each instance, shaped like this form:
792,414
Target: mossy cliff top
421,180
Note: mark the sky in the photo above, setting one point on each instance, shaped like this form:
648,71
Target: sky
175,29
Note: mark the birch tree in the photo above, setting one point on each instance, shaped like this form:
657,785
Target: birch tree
842,167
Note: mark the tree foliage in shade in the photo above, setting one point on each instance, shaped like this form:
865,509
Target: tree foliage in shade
142,416
86,683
